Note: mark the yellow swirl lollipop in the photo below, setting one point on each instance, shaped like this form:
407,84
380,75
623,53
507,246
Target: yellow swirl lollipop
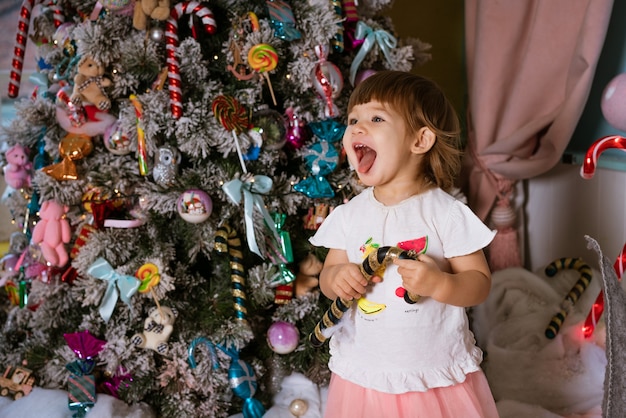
263,58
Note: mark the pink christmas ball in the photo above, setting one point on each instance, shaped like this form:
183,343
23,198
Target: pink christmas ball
362,75
613,103
283,337
194,206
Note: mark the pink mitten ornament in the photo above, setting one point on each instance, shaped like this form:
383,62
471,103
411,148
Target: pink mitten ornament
52,232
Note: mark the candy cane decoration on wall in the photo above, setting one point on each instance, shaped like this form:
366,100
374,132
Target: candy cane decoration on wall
574,294
227,240
374,261
587,171
171,39
588,168
21,38
19,50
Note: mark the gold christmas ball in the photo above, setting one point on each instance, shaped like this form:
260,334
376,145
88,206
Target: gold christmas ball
298,407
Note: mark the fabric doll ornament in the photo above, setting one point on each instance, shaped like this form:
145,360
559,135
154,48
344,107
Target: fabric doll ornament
52,232
17,173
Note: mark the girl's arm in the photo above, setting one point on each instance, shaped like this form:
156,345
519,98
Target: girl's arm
467,285
341,278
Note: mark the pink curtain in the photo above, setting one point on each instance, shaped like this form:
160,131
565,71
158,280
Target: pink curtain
530,65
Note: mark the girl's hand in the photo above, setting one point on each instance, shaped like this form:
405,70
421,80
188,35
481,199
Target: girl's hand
348,282
467,284
420,277
341,278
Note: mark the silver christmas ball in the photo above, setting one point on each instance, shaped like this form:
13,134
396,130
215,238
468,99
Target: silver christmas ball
156,34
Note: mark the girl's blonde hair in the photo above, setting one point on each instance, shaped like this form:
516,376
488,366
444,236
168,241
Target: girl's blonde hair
422,104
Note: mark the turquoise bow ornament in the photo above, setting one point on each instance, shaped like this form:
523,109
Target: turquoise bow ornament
384,39
127,286
251,188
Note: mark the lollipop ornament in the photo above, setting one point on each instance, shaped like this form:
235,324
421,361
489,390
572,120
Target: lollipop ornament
234,118
263,58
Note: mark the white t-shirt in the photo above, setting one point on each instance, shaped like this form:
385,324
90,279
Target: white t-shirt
388,344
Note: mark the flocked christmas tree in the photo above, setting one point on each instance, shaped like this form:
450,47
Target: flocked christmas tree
178,156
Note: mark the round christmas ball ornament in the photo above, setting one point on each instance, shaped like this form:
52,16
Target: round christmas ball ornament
298,407
272,127
613,103
362,75
157,34
116,140
283,337
194,206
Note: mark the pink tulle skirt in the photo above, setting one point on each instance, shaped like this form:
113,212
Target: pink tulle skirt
470,399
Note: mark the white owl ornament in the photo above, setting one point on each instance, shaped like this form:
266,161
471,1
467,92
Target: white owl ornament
166,164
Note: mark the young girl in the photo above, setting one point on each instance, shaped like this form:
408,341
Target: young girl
396,359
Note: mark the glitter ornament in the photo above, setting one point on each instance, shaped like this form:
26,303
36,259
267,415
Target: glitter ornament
272,128
283,337
194,206
116,140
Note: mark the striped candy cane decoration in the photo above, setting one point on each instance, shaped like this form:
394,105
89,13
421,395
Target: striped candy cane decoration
597,309
227,240
574,294
171,39
20,48
57,13
374,261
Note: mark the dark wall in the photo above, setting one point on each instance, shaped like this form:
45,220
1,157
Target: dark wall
441,24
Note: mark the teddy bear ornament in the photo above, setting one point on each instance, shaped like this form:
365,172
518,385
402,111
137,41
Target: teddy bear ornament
157,329
17,171
89,84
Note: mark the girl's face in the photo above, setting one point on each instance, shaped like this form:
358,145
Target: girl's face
378,145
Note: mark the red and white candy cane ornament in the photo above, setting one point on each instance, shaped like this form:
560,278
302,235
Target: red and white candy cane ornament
57,13
171,39
593,153
20,48
598,305
587,171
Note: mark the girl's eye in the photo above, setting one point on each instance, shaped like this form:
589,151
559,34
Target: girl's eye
352,121
377,119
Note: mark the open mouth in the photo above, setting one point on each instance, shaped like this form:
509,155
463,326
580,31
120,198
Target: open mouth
365,157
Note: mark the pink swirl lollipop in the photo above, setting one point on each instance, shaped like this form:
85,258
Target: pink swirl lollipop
263,58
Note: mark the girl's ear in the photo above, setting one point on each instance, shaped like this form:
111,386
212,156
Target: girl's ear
423,141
